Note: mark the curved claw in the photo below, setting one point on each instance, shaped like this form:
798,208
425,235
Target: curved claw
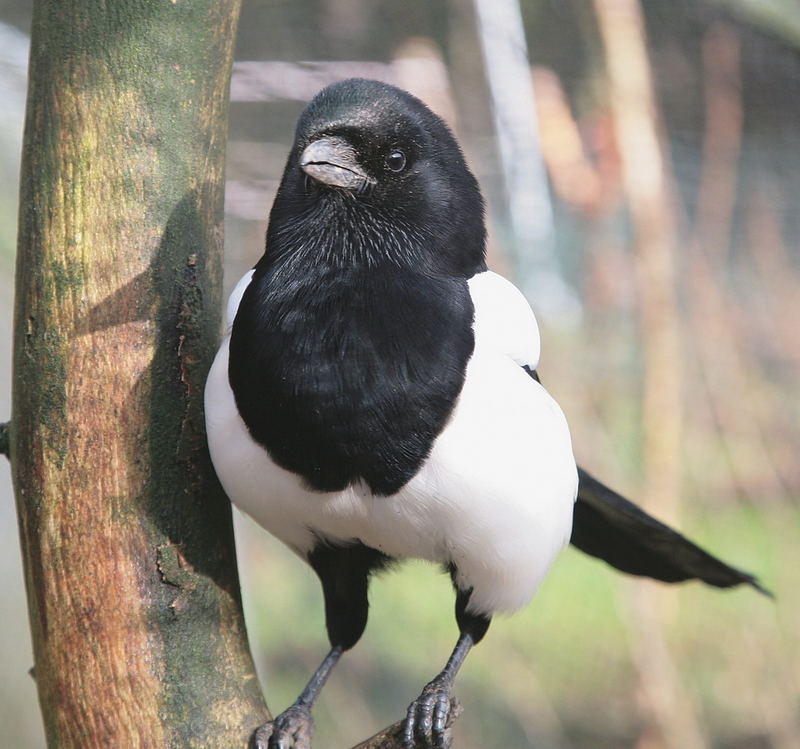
427,721
292,729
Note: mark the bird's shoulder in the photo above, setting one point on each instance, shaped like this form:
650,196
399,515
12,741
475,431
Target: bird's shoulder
235,297
504,321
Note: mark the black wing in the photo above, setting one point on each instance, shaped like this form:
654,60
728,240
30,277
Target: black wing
611,528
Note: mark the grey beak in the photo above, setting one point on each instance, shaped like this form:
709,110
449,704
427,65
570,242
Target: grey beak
333,161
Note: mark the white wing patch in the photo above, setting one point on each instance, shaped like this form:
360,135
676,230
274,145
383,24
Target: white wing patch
504,321
236,297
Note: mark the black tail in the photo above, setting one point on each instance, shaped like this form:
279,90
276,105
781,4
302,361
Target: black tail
615,530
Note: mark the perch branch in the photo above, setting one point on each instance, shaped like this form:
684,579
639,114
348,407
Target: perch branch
392,737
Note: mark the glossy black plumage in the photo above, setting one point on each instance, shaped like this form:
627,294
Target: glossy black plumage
324,381
346,359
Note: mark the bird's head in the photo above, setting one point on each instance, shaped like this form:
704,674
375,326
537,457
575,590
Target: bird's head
375,176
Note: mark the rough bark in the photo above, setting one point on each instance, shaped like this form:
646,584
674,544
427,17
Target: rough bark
127,542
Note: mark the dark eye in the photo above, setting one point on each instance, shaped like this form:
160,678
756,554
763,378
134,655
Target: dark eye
395,161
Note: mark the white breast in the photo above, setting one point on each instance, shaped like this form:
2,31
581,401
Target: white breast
494,497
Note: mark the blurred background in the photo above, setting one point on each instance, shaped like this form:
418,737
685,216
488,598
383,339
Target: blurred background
639,159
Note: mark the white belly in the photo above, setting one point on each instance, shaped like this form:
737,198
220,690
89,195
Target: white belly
495,496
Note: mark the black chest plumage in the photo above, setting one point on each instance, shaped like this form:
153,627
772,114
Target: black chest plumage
349,372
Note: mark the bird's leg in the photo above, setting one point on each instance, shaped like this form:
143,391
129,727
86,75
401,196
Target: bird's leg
294,727
426,721
427,718
344,573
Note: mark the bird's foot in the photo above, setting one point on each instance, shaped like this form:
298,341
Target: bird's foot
430,717
292,729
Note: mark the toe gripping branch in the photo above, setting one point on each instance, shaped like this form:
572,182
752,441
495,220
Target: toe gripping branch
430,716
428,720
294,727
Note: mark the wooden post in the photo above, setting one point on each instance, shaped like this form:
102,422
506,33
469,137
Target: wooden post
130,570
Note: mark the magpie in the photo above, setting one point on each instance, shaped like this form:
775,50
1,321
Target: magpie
377,398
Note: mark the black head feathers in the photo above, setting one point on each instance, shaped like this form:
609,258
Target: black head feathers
383,180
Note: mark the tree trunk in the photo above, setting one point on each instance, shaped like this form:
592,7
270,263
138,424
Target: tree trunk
132,586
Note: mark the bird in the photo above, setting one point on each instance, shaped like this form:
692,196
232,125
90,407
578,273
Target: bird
377,397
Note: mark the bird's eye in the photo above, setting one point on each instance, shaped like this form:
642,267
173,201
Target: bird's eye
395,161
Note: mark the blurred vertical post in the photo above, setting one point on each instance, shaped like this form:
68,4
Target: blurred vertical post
127,539
645,173
505,52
